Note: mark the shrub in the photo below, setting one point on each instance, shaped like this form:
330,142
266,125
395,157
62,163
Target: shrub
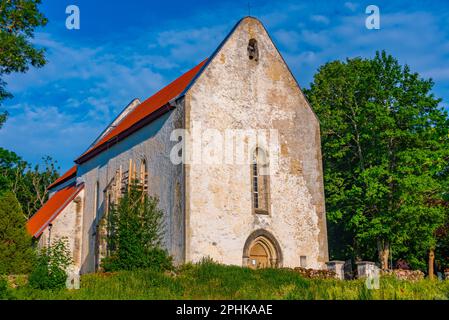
3,289
135,234
212,281
49,272
16,253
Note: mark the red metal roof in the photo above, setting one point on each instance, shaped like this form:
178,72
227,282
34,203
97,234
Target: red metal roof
142,115
65,177
51,209
150,108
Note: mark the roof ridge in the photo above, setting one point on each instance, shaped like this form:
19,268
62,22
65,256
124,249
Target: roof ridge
151,106
161,98
64,178
134,103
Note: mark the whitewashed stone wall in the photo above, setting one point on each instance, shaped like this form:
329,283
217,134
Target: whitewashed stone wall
165,181
68,225
235,92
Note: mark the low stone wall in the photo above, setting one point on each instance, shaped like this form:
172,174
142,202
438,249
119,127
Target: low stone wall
15,281
313,273
365,269
401,274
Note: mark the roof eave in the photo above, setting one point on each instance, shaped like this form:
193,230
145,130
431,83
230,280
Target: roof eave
126,133
170,106
39,232
62,181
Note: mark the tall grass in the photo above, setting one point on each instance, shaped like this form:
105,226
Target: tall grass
211,281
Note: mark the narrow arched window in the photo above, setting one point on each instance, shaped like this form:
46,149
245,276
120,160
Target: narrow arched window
97,201
253,50
260,181
97,229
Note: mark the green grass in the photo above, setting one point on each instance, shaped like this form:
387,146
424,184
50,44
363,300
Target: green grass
211,281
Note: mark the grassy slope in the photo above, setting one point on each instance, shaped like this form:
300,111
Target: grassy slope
210,281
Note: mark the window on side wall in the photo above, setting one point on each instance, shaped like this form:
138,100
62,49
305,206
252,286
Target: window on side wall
260,182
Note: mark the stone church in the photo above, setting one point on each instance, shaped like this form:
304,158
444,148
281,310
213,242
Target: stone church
265,212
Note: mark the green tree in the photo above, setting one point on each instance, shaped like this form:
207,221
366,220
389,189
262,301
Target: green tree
11,169
134,234
3,116
28,183
16,253
18,20
385,150
442,247
32,192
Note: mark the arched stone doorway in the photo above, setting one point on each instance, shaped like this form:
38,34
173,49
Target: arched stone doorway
262,251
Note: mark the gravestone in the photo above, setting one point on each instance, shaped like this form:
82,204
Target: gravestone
338,268
349,275
367,269
73,279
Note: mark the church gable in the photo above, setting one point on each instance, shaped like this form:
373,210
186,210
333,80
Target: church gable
246,51
247,85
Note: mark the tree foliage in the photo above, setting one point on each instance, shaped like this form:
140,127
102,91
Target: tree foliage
385,150
28,183
16,253
135,233
18,21
3,116
50,269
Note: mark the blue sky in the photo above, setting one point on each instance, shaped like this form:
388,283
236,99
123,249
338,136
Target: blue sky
129,49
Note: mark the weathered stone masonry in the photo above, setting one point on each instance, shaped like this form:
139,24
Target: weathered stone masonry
210,209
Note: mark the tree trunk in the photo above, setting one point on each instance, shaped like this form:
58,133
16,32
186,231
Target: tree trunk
431,263
383,247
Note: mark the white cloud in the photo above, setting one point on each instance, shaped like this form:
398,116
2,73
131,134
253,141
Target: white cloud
320,19
94,83
191,44
351,6
437,74
60,108
288,38
91,75
39,131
